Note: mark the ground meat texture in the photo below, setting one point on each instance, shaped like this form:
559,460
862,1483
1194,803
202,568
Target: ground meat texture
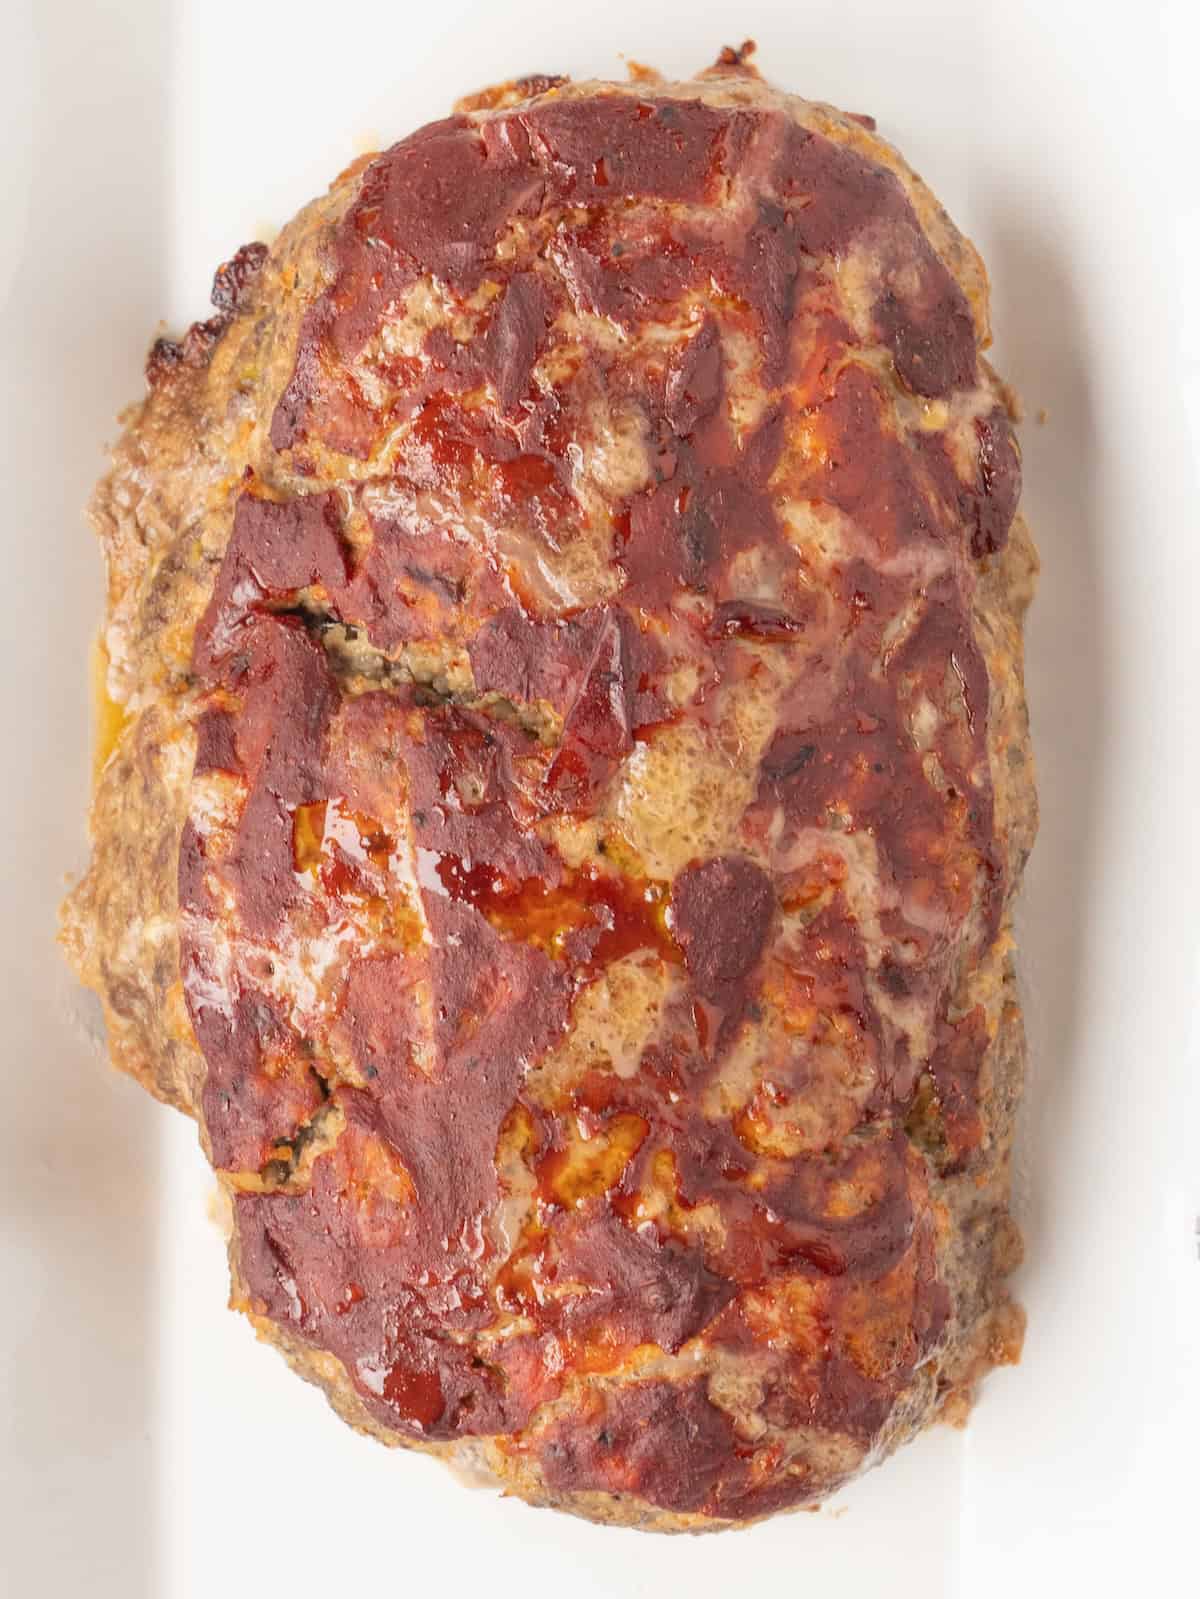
572,789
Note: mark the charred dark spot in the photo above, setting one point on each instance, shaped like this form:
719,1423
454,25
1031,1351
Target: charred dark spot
787,756
234,276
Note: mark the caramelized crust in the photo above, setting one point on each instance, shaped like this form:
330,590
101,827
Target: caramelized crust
566,611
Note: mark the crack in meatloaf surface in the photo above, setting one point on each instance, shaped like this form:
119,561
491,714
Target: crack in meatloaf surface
572,776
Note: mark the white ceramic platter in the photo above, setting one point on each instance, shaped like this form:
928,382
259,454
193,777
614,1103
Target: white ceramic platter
150,1449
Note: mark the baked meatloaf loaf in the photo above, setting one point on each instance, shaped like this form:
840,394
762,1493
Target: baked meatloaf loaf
568,783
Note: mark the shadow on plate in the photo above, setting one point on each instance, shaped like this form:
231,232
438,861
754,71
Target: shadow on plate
1042,351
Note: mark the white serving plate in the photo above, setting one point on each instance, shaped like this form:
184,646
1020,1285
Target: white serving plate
151,1449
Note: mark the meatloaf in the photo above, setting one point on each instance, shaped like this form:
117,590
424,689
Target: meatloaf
569,776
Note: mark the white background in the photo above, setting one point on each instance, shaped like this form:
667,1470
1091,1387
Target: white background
150,1449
